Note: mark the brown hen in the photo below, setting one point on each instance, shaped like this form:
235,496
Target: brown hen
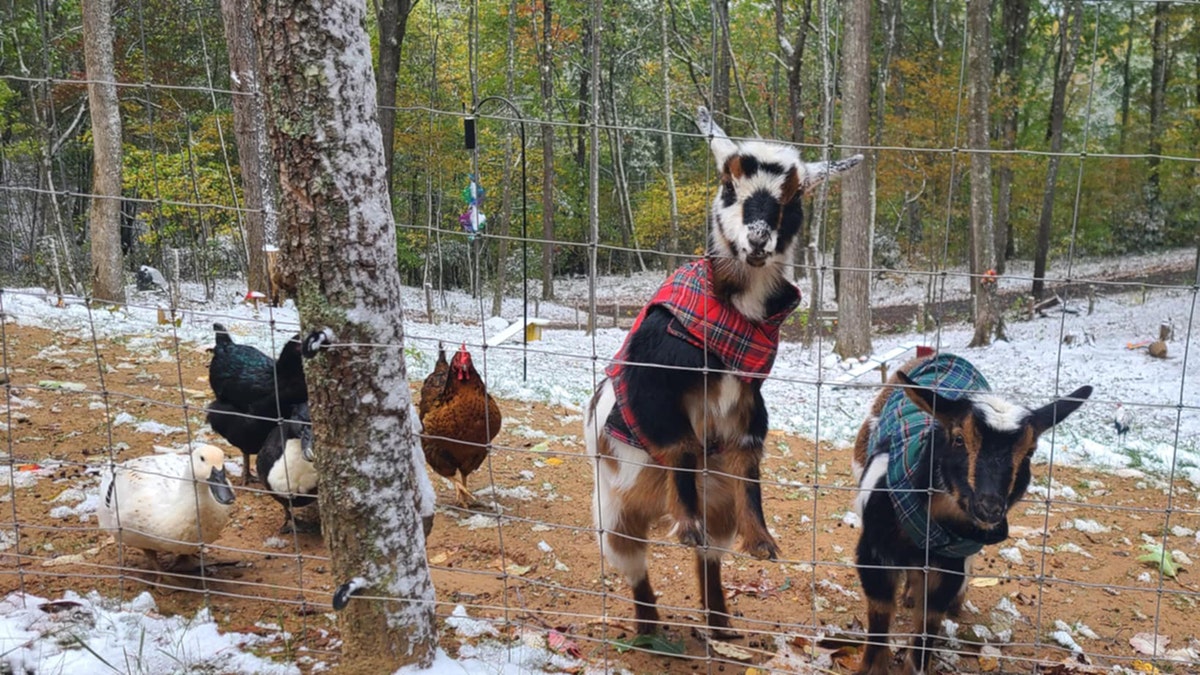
460,420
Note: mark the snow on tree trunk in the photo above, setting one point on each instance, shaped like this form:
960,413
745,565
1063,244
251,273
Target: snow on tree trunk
339,250
104,213
983,240
249,128
854,283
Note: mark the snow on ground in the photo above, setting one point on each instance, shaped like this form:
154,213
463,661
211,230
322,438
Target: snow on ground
86,634
562,369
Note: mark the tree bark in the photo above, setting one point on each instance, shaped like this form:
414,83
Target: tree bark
721,68
979,73
506,194
1126,80
1015,17
794,53
104,213
339,251
1152,220
668,143
546,63
393,23
1069,35
854,281
259,216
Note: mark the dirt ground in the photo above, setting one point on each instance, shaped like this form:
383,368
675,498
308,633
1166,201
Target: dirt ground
537,566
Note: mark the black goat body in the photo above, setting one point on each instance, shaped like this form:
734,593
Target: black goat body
948,432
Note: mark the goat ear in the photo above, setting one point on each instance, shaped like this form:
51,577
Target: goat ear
718,140
816,173
1052,413
932,403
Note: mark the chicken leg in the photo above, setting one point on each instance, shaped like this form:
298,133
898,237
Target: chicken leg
465,499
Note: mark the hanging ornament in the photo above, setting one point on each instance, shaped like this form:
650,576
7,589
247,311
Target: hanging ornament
472,220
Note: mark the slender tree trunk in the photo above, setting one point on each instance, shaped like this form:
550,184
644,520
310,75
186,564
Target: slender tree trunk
794,58
506,195
1153,218
854,282
1069,35
104,215
668,144
1015,19
393,23
250,131
979,73
339,244
585,87
722,66
1126,79
546,63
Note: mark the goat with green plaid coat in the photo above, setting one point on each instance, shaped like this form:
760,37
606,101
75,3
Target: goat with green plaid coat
940,460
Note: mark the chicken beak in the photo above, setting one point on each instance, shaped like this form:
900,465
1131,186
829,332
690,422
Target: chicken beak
218,483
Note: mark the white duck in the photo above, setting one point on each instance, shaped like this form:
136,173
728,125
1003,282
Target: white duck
168,503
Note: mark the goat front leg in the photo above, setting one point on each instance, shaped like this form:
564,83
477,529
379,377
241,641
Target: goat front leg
689,527
943,586
743,463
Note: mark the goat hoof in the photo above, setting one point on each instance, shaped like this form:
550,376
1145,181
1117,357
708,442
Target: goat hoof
691,535
762,550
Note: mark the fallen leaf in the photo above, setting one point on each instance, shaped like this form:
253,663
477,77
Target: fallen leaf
1149,644
1160,558
553,461
729,650
654,643
989,659
518,570
848,658
561,644
1143,667
983,582
439,558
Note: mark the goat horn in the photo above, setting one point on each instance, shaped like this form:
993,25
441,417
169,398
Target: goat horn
816,173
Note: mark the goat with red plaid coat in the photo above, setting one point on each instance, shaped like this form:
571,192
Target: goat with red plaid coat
677,427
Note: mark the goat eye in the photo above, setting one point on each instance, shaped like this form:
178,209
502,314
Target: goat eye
959,441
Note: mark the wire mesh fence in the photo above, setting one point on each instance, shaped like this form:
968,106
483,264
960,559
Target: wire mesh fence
1095,572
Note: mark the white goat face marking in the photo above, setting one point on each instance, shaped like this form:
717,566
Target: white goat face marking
1000,414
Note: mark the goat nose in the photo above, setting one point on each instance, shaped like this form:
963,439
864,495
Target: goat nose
758,233
990,508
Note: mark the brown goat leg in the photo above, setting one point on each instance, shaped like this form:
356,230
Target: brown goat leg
941,590
877,656
752,523
645,608
708,574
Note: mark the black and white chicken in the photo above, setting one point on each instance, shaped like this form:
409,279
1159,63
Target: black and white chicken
1121,420
285,466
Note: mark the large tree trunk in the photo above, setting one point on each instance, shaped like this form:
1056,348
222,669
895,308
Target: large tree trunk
546,63
979,73
1015,19
1069,33
250,129
854,281
393,23
339,250
104,214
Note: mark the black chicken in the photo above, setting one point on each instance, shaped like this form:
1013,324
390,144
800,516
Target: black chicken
285,466
253,391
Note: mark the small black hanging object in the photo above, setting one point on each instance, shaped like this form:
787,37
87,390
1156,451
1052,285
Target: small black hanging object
469,132
341,597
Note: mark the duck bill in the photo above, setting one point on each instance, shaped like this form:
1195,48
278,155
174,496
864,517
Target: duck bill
218,484
306,446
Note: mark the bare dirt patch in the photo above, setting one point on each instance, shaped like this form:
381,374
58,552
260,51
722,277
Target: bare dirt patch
537,565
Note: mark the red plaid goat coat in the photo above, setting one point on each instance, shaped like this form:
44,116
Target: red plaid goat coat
747,348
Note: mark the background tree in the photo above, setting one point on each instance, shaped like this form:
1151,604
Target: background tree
979,76
392,16
1015,25
546,77
259,217
1069,30
104,213
854,282
339,251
